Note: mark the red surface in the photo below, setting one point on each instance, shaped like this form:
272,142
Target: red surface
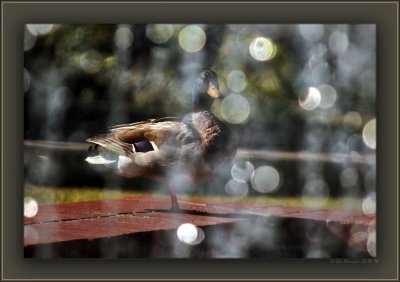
108,218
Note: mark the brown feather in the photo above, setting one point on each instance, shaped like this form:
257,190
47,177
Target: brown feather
199,144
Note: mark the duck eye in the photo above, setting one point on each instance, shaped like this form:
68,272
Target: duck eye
213,90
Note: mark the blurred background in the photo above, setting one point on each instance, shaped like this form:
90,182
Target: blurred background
300,100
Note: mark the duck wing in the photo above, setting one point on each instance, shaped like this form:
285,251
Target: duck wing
152,146
143,136
199,143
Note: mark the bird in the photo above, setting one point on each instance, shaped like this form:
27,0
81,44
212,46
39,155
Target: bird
162,149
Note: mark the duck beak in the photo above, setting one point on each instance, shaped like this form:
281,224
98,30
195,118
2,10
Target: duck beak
213,91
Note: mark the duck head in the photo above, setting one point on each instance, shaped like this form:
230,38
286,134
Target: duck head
205,90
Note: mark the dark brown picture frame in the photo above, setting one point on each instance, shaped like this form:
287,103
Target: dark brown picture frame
16,14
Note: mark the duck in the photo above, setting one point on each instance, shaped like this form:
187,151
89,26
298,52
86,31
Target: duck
161,149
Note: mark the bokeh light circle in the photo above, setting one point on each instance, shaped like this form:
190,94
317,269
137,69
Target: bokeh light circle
338,42
369,203
91,61
159,33
328,96
354,142
235,109
192,38
370,179
39,29
320,72
311,32
236,189
369,134
29,39
123,37
265,179
190,234
352,120
262,49
236,80
31,207
200,236
181,181
216,108
311,100
242,171
349,177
